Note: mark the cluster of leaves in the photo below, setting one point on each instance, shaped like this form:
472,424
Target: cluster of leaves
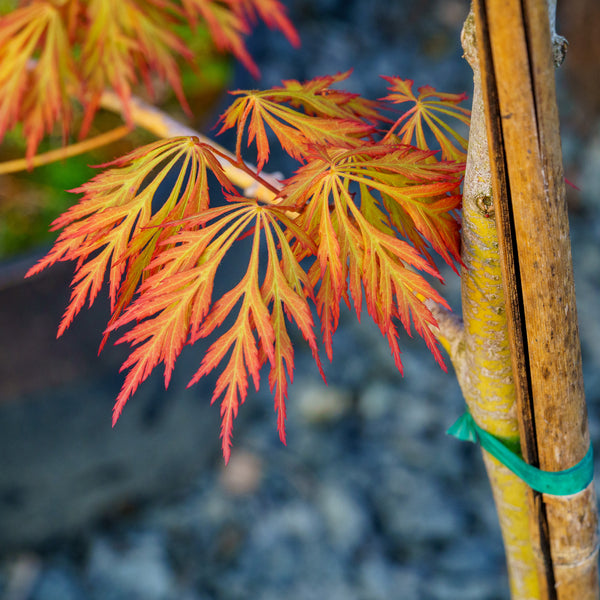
54,51
331,232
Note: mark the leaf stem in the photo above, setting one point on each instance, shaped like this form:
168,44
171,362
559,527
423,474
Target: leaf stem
273,185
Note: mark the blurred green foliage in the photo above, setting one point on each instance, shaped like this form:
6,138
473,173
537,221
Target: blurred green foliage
30,201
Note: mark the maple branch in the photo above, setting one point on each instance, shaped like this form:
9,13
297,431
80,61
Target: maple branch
486,375
153,119
21,164
450,332
147,116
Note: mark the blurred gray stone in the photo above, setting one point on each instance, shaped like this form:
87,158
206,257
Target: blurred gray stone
473,588
419,512
377,400
62,465
58,584
317,402
381,579
135,569
345,518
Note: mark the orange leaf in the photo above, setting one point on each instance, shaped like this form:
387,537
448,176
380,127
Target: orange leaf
327,120
227,27
354,252
116,224
124,39
331,235
427,105
38,96
283,290
272,12
229,21
174,307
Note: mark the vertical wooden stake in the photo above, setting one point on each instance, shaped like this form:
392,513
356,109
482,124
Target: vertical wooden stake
516,55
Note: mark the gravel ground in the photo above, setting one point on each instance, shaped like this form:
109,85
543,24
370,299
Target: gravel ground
370,499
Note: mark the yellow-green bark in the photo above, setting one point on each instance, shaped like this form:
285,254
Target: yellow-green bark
482,357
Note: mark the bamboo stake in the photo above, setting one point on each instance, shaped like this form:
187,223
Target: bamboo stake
529,185
538,520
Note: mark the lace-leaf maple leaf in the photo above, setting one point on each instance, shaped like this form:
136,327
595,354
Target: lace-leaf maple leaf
36,96
229,22
331,234
422,210
175,307
272,12
355,253
55,51
125,38
114,226
317,97
327,120
428,105
227,28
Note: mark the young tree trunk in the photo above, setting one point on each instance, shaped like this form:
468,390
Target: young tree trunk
480,350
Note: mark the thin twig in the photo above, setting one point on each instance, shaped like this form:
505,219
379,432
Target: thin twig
22,164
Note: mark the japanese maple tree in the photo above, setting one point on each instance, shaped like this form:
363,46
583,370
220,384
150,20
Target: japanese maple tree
376,195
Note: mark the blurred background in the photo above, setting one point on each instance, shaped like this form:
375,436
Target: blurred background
370,499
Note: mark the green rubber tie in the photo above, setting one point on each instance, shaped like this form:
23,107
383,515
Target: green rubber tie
557,483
